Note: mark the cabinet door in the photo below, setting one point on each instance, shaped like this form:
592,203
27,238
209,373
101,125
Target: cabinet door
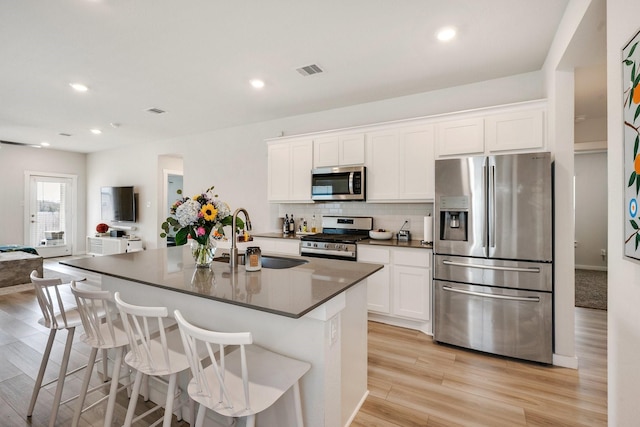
279,175
458,137
270,245
522,130
378,291
411,292
326,151
351,149
382,165
300,170
379,283
338,150
417,164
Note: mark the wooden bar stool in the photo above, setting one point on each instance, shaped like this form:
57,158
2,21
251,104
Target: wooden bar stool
242,383
154,351
55,316
103,330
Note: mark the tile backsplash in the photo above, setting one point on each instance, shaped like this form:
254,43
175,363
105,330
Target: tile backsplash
388,216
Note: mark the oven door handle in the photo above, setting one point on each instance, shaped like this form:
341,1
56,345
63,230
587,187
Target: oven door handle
493,267
493,296
319,253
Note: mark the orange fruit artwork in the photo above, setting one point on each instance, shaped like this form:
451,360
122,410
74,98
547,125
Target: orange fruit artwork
636,96
636,164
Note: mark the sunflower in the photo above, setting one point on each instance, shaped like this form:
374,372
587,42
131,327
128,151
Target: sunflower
209,212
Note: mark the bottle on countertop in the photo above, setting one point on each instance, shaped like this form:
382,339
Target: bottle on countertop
285,225
292,225
304,225
313,224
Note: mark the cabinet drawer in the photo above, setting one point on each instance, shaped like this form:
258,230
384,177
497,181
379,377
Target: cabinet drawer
412,258
373,255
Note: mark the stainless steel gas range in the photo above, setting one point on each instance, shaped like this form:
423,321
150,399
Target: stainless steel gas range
338,238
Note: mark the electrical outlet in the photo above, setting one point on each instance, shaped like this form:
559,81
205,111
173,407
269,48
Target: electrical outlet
333,330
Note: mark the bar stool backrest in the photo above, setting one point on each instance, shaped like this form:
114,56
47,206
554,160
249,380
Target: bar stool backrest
99,316
143,326
50,300
215,342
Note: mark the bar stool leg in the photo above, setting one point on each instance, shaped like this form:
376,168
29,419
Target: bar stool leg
61,377
115,378
171,396
43,368
134,399
85,387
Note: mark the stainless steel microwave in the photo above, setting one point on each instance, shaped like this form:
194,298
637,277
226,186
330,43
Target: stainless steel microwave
339,183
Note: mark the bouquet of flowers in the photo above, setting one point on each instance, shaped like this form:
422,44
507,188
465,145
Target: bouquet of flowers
199,217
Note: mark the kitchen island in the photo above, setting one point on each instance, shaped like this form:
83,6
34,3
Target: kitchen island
316,311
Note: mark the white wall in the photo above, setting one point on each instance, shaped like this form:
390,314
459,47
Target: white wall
14,161
591,210
624,275
235,159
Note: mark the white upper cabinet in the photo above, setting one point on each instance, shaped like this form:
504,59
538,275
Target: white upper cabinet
520,130
510,128
461,137
417,163
382,165
338,150
400,164
289,171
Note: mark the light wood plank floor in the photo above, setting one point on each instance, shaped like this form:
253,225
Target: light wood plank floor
412,381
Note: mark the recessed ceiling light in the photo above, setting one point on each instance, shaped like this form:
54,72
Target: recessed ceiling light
257,84
79,87
36,146
96,131
446,34
45,144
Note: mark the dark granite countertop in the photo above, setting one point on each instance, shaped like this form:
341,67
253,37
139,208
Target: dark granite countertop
397,244
290,292
390,242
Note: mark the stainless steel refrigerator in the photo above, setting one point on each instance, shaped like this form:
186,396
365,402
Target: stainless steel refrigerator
493,255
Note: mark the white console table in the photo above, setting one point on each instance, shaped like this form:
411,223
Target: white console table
112,245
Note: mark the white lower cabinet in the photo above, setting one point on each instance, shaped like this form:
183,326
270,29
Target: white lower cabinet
112,245
276,246
400,293
379,283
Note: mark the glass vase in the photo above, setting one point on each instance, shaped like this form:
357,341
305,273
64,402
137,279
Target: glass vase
203,253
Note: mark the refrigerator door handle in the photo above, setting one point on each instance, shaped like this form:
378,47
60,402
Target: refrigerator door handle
492,206
493,267
493,296
485,230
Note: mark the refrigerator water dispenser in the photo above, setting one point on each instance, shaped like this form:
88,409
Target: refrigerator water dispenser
454,215
453,225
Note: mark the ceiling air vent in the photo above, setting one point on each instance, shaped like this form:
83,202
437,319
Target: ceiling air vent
310,70
155,111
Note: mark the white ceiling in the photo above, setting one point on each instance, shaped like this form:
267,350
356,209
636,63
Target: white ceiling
194,59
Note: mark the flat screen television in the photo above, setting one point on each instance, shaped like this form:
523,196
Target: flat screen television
118,204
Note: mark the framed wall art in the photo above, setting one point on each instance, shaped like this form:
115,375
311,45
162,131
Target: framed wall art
630,115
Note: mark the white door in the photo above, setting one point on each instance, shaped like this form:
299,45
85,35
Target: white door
50,214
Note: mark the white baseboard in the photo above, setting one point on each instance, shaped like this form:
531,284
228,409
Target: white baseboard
570,362
591,267
357,409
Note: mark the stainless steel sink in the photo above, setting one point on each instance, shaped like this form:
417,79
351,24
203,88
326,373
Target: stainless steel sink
269,261
281,262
